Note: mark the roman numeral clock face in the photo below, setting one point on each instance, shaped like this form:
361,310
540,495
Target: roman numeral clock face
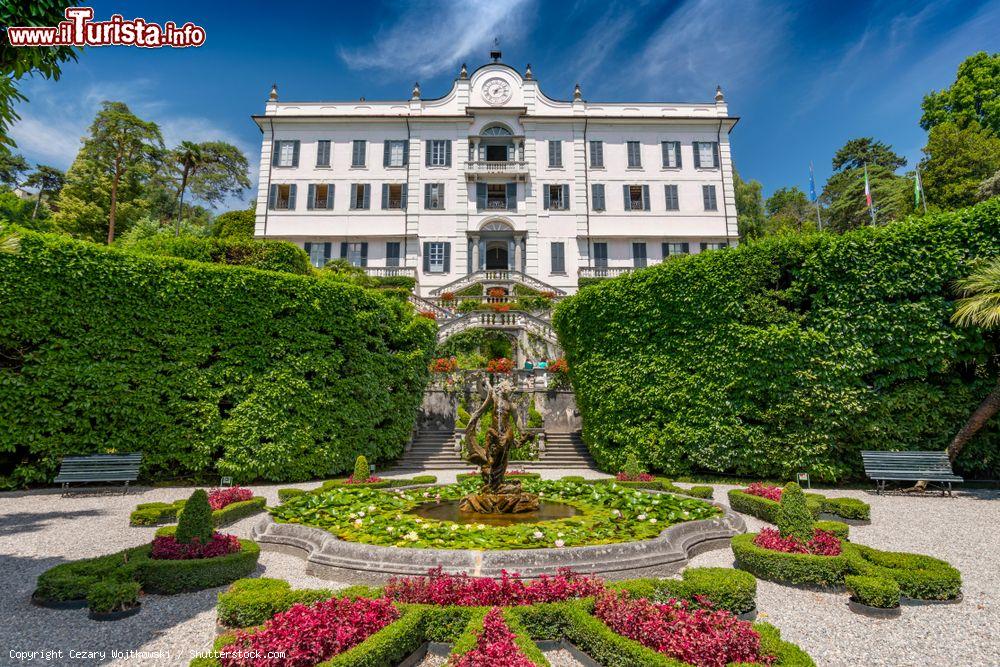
496,91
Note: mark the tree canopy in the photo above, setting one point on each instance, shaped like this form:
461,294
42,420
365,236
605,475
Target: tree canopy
974,97
858,152
958,159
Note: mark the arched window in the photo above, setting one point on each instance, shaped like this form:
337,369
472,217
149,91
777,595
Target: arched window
497,131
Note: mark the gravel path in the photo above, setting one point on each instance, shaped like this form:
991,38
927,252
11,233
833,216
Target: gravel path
41,529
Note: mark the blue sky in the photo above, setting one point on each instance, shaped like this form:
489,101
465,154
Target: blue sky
803,76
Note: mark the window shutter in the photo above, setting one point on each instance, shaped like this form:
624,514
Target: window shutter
545,188
329,196
427,195
343,250
275,153
272,197
295,153
327,247
645,198
481,196
686,247
427,153
386,148
368,192
308,248
628,205
665,152
565,196
385,196
447,153
677,153
427,257
311,197
664,250
406,153
354,196
447,257
697,155
715,154
402,198
512,196
291,196
364,254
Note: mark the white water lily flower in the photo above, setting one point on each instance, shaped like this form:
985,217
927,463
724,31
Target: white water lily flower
361,514
371,508
358,522
656,502
616,512
560,543
641,517
454,526
559,534
411,536
653,520
537,535
389,529
418,520
427,494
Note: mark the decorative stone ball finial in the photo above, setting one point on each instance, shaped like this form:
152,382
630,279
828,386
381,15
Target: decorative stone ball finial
527,72
577,94
416,90
274,93
718,94
464,73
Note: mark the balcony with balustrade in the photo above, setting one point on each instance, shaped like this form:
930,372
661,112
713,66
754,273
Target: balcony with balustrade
479,170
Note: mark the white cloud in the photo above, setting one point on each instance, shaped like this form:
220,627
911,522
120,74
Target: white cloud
428,40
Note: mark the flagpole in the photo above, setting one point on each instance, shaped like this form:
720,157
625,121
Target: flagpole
920,187
868,196
812,192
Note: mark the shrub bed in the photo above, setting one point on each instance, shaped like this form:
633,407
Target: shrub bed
609,513
250,602
766,509
259,375
919,577
873,591
725,588
790,568
264,255
788,354
154,514
488,641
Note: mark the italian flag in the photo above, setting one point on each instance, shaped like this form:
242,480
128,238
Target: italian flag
868,190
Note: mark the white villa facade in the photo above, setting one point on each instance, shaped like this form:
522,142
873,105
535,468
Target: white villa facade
495,175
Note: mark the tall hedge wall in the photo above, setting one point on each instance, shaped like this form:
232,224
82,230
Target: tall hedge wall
203,368
790,354
264,255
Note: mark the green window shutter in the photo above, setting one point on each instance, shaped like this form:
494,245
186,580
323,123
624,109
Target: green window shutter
715,154
677,153
354,196
386,148
406,153
295,153
308,249
645,198
628,204
427,195
368,192
329,196
447,257
272,197
512,196
427,153
402,198
565,196
481,196
291,196
545,191
447,153
427,257
343,250
664,250
311,196
697,154
364,254
326,252
275,153
665,153
385,196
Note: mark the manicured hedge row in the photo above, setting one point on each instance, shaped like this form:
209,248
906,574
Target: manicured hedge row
767,510
74,580
152,514
873,591
265,255
658,484
788,568
724,587
202,368
789,354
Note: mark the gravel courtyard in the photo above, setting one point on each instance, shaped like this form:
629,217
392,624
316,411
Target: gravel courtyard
41,529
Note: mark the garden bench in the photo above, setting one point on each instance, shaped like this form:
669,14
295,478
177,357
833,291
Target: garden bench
932,467
99,468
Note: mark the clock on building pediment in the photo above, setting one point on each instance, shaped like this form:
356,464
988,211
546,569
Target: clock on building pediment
496,91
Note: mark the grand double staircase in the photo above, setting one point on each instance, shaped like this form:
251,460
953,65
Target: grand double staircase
435,450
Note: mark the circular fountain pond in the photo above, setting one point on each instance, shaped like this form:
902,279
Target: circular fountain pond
449,510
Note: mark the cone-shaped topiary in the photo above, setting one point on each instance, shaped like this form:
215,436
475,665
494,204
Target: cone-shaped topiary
361,471
195,520
632,467
794,518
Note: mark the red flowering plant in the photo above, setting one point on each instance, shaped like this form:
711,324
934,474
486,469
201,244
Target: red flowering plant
500,307
307,635
639,477
167,547
429,314
559,366
501,365
764,491
496,293
548,294
219,498
495,646
447,297
509,590
444,365
692,633
823,543
370,480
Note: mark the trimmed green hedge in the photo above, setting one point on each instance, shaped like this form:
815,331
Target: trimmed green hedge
789,354
726,588
75,580
153,514
288,494
202,368
873,591
250,602
847,508
658,484
767,510
788,568
264,255
838,528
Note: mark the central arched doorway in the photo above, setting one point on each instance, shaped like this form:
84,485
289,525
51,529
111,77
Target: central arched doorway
497,254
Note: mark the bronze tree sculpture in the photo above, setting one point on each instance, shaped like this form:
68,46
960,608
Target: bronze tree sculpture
496,496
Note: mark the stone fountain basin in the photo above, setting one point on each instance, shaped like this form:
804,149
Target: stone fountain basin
329,557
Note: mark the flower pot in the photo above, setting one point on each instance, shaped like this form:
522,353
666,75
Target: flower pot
873,612
748,615
114,615
58,604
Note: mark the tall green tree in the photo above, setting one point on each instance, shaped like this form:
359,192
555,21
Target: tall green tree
12,168
843,195
16,63
974,97
990,187
958,159
749,207
120,154
214,170
858,152
789,211
48,180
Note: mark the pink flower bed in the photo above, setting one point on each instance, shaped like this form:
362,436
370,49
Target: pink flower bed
370,480
219,498
508,590
823,543
764,491
700,636
641,477
168,548
495,646
309,635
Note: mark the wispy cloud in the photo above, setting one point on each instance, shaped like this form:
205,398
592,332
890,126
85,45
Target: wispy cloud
430,40
703,43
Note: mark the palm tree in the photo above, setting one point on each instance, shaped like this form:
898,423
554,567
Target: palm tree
978,307
189,157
